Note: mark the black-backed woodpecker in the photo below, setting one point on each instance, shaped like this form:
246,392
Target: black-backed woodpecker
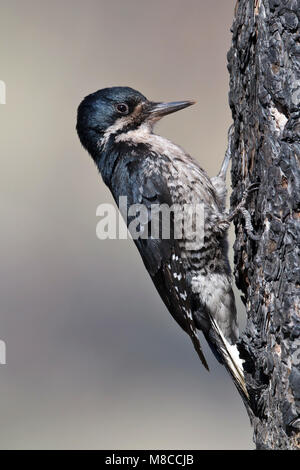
115,125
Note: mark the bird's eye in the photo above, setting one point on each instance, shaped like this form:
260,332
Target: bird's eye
122,108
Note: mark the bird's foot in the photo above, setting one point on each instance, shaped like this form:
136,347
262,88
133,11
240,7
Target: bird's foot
241,209
225,163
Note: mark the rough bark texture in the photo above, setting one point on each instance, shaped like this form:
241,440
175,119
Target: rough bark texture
264,97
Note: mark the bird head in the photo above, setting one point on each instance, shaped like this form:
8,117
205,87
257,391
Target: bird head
117,110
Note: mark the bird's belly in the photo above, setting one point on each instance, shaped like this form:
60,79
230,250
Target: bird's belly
216,298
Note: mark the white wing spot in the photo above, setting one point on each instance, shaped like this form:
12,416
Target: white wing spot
189,314
177,276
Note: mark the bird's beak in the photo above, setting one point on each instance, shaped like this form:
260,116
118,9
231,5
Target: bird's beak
158,110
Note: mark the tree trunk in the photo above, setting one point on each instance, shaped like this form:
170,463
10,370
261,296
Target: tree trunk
264,97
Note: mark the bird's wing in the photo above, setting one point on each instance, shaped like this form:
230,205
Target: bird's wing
164,264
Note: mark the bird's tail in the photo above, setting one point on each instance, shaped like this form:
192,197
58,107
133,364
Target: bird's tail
232,361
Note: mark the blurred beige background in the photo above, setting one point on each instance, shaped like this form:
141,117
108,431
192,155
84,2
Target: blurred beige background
94,360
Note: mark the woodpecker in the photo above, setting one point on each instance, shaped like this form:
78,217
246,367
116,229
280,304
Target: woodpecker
115,125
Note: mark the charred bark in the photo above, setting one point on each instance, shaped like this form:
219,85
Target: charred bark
264,97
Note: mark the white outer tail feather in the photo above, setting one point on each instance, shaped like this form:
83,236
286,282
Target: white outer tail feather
232,358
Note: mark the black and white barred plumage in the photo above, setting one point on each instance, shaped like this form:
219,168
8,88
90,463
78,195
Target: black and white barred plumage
116,126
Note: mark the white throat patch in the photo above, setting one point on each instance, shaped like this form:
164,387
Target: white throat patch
120,124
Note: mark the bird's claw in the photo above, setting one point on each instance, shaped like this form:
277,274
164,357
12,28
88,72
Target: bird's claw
252,187
240,209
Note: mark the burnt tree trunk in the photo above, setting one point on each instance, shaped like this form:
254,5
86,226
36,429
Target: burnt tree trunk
264,97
